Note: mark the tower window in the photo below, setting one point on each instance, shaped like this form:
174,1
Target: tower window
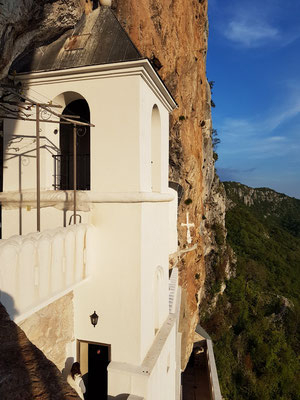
66,157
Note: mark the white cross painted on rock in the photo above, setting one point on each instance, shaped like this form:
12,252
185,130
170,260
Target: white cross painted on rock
188,226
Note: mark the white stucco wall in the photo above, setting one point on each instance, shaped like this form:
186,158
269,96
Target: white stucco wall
131,242
115,160
114,291
161,384
20,173
51,218
156,383
154,256
158,376
148,101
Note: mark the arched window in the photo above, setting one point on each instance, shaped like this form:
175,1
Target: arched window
156,150
79,108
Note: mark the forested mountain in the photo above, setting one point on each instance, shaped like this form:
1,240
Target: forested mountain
255,322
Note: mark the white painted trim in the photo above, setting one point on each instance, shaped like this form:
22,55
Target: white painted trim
131,197
151,358
141,68
126,368
66,196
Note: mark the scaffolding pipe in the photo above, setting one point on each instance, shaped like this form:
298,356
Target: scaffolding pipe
38,183
75,168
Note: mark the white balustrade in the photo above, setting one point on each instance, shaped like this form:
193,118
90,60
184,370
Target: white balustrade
58,264
44,262
173,286
39,266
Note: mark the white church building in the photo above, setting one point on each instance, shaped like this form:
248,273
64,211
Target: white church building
88,225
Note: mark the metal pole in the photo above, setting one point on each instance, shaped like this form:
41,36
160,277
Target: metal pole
74,168
20,191
55,172
38,186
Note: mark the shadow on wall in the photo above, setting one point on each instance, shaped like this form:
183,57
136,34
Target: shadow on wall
13,370
9,303
68,365
123,396
25,371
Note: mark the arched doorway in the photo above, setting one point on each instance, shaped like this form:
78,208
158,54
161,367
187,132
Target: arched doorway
79,108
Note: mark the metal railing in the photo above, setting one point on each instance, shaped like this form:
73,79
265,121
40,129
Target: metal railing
64,172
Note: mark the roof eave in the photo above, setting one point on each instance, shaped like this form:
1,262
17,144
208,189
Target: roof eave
116,67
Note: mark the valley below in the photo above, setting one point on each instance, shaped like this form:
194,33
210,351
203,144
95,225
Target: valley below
254,323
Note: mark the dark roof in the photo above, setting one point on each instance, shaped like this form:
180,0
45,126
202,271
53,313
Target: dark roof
97,39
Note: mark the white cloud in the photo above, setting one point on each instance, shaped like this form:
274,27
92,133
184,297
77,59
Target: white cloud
256,23
278,118
266,124
235,128
276,139
262,136
250,33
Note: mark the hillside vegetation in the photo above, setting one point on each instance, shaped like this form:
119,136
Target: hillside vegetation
255,323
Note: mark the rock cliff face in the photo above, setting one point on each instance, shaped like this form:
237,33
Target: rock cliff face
173,35
56,329
252,196
267,202
28,23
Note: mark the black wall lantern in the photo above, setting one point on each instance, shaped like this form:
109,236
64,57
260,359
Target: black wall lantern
94,319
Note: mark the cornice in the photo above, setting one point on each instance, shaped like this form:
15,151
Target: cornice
141,68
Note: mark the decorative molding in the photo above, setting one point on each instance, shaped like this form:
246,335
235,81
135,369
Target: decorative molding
53,198
141,68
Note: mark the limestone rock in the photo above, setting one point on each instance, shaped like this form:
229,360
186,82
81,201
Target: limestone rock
56,329
25,373
27,23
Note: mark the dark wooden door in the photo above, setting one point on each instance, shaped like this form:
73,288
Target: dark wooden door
98,360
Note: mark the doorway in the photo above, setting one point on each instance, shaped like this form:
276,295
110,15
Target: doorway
94,359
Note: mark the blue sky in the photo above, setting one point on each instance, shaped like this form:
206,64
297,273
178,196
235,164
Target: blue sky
254,59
